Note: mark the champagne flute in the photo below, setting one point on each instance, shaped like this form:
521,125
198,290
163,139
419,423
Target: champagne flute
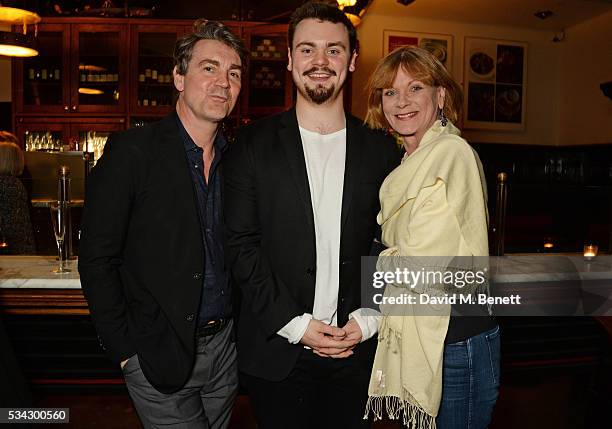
59,220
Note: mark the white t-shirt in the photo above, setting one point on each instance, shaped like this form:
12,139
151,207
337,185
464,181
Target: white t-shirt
325,156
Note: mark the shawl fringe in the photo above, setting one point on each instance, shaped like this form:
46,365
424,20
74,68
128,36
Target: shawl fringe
413,417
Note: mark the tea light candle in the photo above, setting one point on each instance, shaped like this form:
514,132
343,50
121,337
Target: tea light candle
590,251
548,243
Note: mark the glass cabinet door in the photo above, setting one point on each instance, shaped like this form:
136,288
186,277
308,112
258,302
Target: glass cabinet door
41,82
92,137
152,89
268,88
43,136
99,82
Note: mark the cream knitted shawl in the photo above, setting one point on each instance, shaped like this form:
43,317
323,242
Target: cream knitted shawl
406,377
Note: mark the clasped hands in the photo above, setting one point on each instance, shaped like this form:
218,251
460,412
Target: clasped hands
331,341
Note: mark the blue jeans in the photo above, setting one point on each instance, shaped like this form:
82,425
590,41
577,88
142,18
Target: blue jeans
470,382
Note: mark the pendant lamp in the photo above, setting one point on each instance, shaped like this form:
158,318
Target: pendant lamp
18,44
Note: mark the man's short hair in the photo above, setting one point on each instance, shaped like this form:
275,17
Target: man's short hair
204,29
324,12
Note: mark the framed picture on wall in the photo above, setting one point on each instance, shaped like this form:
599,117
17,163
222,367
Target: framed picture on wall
441,45
495,78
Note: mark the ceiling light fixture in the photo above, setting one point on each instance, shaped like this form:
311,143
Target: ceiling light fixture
354,9
18,44
344,3
559,36
544,14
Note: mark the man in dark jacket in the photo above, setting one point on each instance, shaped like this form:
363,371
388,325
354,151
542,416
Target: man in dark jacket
301,200
152,259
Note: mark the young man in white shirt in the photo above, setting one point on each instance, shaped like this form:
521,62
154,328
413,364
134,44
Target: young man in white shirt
301,199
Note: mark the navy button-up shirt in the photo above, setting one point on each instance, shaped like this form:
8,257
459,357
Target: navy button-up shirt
216,295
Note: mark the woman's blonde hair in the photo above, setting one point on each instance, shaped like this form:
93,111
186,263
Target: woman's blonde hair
11,155
421,65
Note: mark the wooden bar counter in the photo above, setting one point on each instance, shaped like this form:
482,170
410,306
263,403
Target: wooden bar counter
28,286
48,318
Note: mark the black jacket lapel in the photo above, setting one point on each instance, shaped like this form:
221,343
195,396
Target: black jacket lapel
354,146
289,135
173,160
171,147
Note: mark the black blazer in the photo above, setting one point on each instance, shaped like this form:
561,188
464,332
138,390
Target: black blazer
271,239
141,256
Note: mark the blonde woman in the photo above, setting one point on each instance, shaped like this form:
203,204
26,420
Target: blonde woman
439,371
16,233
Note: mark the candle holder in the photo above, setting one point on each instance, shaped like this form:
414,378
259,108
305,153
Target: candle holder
549,244
590,252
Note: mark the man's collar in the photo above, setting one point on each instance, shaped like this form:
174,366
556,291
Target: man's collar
220,142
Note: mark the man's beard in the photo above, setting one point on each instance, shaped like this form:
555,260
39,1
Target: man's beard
320,94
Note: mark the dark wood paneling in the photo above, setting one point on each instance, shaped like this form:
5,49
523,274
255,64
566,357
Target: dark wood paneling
559,192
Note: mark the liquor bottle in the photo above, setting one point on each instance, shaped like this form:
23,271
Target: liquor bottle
154,73
43,74
31,74
147,74
56,75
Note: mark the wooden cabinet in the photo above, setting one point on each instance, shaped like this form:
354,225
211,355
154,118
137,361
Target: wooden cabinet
114,72
41,84
99,68
81,68
151,84
268,86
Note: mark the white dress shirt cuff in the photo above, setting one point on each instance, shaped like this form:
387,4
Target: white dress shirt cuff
295,329
368,321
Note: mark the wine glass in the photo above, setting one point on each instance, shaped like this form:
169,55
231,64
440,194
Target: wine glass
59,212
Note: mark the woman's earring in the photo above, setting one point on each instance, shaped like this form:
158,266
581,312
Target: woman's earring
442,118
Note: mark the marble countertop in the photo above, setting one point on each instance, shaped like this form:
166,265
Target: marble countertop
44,202
549,267
35,272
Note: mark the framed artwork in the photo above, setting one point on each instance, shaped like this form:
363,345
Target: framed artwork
495,78
441,45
